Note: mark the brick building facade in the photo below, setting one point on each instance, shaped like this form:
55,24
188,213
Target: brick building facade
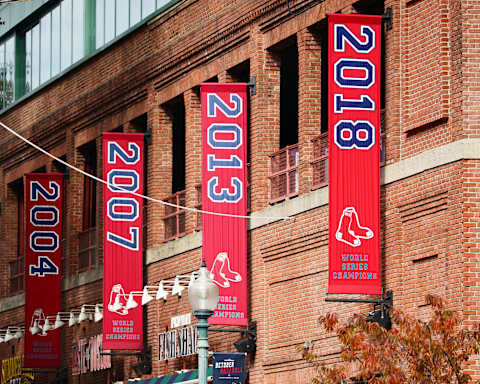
145,79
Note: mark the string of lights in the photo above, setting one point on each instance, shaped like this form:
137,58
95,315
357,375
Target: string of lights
42,323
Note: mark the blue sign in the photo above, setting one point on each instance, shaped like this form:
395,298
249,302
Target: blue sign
229,368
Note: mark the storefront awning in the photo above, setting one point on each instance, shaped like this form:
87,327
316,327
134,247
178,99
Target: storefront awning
190,377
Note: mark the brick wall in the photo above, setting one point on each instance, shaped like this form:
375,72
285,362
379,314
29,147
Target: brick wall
429,220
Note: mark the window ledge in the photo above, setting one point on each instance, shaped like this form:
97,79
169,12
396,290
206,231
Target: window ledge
68,283
12,302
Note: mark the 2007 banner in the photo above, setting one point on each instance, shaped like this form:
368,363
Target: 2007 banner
354,65
224,191
122,239
43,230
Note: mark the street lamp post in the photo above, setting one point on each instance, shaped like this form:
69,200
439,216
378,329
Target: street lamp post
203,297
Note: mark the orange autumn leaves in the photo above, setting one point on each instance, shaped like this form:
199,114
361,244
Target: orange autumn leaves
436,351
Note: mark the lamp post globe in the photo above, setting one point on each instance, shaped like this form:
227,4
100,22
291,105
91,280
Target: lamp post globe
203,298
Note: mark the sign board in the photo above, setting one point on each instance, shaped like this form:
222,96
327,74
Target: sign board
229,368
354,65
43,230
86,356
122,239
181,320
14,373
224,183
177,343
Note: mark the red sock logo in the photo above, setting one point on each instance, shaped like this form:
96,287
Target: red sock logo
349,229
216,273
221,273
356,229
344,232
227,272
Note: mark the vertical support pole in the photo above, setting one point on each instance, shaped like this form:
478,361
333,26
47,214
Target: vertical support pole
202,344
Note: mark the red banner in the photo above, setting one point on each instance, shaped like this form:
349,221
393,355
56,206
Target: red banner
224,182
354,53
43,265
122,239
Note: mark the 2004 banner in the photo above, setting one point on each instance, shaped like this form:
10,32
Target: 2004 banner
122,239
224,170
354,64
43,230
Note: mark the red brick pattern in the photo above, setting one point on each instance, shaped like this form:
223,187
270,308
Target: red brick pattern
426,41
309,102
430,221
193,150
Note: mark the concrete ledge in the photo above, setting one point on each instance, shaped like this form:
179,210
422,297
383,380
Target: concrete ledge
174,247
258,219
82,278
456,151
289,208
13,302
459,150
466,149
68,283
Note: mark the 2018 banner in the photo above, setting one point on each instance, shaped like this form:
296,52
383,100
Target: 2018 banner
354,65
43,265
224,181
122,239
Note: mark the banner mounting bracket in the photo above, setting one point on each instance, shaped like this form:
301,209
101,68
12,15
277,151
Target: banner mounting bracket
387,300
147,135
251,330
387,18
380,316
252,84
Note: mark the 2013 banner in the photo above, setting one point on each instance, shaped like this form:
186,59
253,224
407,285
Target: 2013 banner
43,265
224,180
354,65
122,239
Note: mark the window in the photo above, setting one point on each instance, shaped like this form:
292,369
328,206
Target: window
198,205
114,17
54,43
17,275
87,239
284,174
284,163
78,30
66,34
177,112
63,36
289,96
320,160
17,265
174,219
7,71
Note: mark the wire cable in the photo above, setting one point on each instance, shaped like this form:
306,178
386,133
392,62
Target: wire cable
138,194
